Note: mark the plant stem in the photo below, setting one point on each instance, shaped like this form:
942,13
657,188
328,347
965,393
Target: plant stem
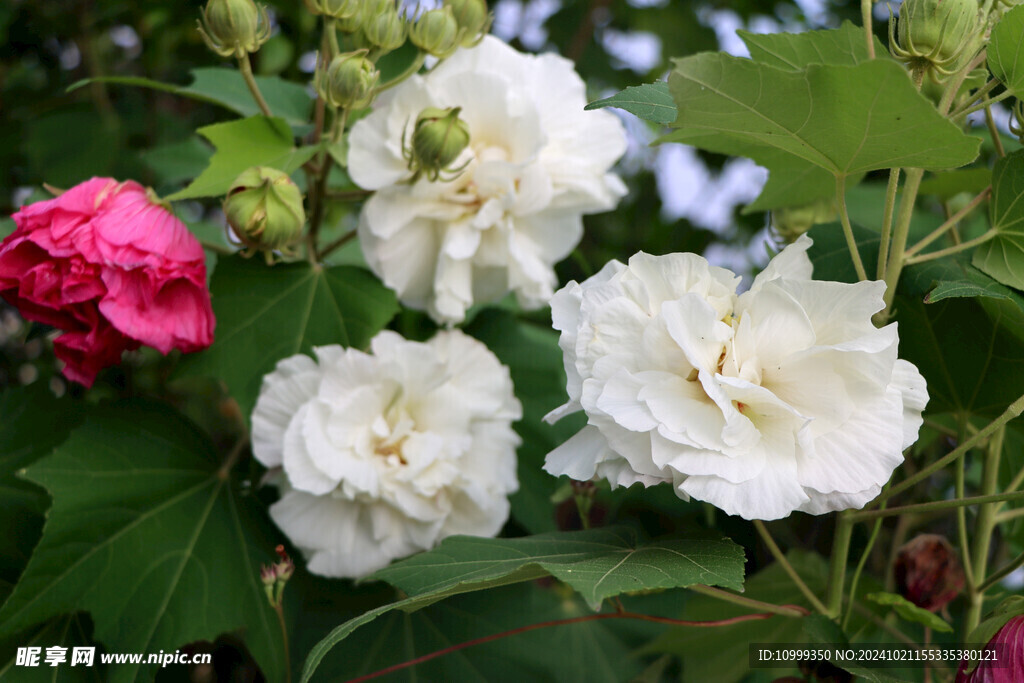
953,87
982,105
866,20
844,218
556,622
782,610
410,70
837,563
232,457
1009,514
1012,411
956,248
860,568
894,265
951,222
318,198
1002,573
890,205
216,248
245,66
338,243
863,515
773,548
997,140
284,639
961,512
984,527
331,32
1014,484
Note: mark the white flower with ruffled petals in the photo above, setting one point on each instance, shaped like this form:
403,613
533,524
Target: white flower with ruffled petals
535,164
783,398
379,455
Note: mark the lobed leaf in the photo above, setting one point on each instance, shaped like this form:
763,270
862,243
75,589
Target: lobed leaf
794,51
1006,50
1003,256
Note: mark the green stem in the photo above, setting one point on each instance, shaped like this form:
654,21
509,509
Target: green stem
331,31
844,217
997,140
860,568
954,84
890,205
412,68
1009,515
837,563
773,548
338,243
984,104
961,512
284,639
318,199
1012,411
1002,573
216,248
864,515
984,526
719,594
951,222
246,68
866,20
956,248
1014,484
894,266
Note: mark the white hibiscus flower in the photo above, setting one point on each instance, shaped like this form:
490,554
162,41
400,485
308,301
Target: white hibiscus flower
383,454
783,398
535,163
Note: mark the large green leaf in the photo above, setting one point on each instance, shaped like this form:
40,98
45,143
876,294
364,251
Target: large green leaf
1006,50
794,51
1003,256
255,141
227,88
534,359
66,630
650,102
265,314
145,535
844,119
599,563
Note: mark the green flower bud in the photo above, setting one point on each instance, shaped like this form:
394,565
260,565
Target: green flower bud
791,222
336,9
386,30
937,35
234,28
472,18
436,32
348,81
438,139
264,208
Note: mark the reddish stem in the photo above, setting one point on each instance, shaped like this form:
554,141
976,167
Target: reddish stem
559,622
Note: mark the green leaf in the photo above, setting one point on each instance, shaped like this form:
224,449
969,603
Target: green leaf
146,536
794,51
534,359
1005,52
949,184
599,563
831,256
178,161
844,119
909,611
66,630
1003,256
953,277
227,88
650,102
265,314
822,630
255,141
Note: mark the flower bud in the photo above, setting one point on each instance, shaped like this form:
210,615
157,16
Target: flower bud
936,34
791,222
928,572
234,28
264,208
438,139
1008,661
348,81
386,30
436,32
336,9
472,18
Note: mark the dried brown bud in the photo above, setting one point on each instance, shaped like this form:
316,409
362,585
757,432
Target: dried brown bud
928,572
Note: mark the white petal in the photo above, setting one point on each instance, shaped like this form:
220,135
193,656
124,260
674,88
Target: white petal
773,494
791,263
578,456
908,381
293,382
298,462
823,503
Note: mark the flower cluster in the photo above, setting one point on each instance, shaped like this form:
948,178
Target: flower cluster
782,398
534,164
384,454
113,268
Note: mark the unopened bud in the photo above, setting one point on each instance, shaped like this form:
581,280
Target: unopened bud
928,572
234,28
268,577
472,18
436,32
386,30
936,35
348,81
264,208
336,9
438,139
